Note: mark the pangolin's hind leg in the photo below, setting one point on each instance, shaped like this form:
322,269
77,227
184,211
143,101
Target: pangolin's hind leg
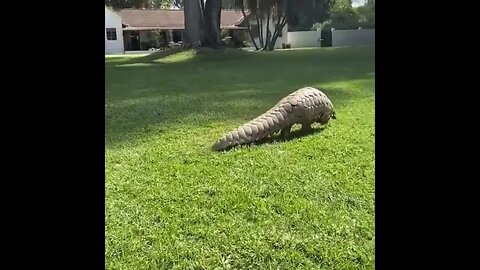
285,133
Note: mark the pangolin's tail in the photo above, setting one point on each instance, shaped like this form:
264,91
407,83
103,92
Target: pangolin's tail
259,128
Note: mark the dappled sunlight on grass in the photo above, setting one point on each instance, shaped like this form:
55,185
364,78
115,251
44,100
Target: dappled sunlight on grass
136,65
178,57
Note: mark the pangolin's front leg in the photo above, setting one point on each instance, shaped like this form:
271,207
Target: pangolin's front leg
306,127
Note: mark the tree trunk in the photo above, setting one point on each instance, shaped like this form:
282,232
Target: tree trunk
267,31
260,28
249,27
278,29
281,13
193,24
211,15
275,34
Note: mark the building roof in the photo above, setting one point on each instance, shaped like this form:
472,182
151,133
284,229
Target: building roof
148,19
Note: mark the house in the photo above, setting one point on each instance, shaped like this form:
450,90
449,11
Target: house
113,32
142,29
146,28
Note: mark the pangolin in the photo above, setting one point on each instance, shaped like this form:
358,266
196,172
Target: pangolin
304,106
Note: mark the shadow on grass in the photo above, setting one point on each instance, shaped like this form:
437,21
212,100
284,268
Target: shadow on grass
294,135
157,57
200,55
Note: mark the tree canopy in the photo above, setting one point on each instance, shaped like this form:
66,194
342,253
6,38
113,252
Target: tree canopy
345,16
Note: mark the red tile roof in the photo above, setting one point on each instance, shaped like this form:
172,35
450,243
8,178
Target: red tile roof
144,19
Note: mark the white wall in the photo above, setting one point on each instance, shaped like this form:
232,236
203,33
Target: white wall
113,20
364,37
302,39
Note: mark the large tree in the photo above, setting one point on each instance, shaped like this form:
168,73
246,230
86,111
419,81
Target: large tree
193,23
202,22
211,15
305,13
367,14
344,16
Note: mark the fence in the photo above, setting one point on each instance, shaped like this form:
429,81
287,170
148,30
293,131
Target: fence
364,37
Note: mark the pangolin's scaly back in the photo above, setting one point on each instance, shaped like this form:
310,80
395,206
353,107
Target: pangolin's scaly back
305,105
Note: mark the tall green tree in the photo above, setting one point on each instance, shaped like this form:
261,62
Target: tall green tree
304,14
367,14
339,5
343,16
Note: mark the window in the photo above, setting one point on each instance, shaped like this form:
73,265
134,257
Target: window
111,34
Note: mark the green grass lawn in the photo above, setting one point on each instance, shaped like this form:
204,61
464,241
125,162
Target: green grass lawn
172,203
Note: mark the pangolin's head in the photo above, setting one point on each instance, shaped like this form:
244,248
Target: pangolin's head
325,117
